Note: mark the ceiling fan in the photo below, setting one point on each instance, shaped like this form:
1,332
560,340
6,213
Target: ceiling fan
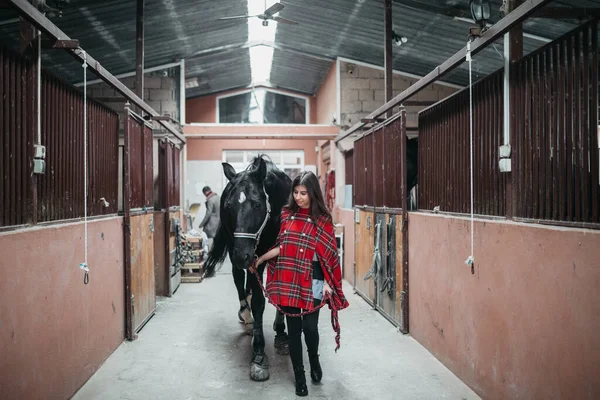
268,14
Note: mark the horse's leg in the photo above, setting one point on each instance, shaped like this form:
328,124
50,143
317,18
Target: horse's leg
259,368
239,278
281,338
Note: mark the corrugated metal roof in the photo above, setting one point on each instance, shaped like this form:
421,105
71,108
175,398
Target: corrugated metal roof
217,51
307,72
219,72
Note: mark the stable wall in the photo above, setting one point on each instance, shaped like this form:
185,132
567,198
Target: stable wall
55,332
160,92
525,325
363,91
325,100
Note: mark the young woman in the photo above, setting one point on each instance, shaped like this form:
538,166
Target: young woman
304,267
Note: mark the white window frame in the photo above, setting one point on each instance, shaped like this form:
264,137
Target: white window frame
299,96
249,154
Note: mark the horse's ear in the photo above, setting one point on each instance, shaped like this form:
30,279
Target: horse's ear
261,171
229,171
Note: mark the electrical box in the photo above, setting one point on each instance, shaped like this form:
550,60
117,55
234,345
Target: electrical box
505,151
39,166
504,165
39,151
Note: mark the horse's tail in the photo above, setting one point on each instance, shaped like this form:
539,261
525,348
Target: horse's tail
217,253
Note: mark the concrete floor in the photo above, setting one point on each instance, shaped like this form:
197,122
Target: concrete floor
195,348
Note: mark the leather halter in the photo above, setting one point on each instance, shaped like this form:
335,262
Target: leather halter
256,236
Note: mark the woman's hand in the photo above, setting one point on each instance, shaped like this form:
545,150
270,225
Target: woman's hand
255,264
327,289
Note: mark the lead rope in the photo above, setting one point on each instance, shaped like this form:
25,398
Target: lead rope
471,259
84,265
327,298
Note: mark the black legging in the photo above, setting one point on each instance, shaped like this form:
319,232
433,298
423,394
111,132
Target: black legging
309,324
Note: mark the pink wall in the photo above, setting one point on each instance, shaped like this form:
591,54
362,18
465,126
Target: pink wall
326,98
199,148
526,325
201,109
55,332
212,149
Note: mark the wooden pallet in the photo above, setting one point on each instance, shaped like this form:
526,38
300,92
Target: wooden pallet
192,272
191,278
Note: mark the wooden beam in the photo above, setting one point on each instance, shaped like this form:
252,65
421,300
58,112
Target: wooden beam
489,37
31,14
159,118
568,12
66,44
27,36
423,103
371,120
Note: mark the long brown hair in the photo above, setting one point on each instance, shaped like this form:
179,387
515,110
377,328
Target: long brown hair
317,204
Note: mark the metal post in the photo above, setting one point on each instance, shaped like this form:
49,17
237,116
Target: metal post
139,42
513,51
129,333
404,180
165,178
388,54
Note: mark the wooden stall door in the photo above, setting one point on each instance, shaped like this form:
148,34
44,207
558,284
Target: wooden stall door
387,279
142,269
363,248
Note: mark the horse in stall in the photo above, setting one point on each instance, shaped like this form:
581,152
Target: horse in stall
250,219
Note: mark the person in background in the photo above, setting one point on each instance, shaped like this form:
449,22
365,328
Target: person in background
210,223
304,270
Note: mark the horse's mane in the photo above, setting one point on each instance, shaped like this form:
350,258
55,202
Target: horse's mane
277,184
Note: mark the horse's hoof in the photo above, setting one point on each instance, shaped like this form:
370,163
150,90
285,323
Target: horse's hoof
245,316
281,345
259,369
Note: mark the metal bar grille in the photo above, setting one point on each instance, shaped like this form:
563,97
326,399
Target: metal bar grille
16,130
444,151
60,189
557,159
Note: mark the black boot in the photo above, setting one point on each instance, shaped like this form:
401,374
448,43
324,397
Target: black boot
316,373
301,389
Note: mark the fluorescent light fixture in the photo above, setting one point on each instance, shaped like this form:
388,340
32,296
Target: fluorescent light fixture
192,83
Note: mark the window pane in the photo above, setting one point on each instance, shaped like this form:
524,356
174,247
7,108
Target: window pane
282,109
292,172
292,158
275,156
262,106
234,156
235,109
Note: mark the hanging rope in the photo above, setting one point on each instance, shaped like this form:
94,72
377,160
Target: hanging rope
471,260
84,266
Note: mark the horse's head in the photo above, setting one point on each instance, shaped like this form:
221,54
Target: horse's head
245,210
